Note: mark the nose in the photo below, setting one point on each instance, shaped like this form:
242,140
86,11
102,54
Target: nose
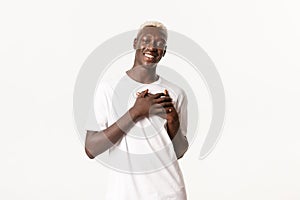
151,46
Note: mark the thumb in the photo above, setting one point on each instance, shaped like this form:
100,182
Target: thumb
166,92
144,93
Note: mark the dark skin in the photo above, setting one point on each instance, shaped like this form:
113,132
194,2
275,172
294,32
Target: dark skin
150,46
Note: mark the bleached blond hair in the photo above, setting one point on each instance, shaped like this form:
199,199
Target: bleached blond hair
154,24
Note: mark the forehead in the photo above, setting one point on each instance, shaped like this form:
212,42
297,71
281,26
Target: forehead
155,32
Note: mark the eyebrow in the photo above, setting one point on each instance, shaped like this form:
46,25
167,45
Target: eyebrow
162,39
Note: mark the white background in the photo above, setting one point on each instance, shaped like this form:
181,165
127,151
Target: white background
254,45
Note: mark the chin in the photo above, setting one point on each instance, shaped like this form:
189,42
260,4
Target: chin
147,61
149,65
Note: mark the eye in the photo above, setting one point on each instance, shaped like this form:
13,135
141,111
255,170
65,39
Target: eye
146,40
160,44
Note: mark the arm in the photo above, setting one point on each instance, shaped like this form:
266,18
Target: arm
99,141
179,141
175,129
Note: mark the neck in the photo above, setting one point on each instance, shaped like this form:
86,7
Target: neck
143,74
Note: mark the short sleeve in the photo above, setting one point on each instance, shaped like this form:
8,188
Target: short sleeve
183,112
97,118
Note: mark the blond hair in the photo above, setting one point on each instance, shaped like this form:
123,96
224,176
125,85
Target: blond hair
154,24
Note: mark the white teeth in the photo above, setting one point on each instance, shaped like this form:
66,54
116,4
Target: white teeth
149,56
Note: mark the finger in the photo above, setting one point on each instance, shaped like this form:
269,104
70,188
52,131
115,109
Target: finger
157,95
166,92
158,111
163,104
169,109
139,94
163,99
145,92
149,94
162,115
168,104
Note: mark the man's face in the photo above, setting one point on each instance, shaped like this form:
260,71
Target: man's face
150,46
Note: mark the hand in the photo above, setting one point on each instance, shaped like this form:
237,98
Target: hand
167,110
163,106
144,103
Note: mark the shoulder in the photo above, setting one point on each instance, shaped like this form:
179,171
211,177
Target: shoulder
175,88
106,85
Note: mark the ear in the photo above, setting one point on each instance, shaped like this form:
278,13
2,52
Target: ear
165,50
134,43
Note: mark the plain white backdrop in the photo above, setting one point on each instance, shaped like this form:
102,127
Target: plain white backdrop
254,45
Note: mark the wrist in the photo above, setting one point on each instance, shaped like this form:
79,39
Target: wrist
134,114
172,120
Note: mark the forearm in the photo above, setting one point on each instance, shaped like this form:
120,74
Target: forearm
179,141
98,142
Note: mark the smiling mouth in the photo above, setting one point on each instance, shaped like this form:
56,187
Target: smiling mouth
149,55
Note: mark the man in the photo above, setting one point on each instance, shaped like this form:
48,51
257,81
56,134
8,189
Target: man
134,137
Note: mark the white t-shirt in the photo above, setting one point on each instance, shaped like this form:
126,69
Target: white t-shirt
143,162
